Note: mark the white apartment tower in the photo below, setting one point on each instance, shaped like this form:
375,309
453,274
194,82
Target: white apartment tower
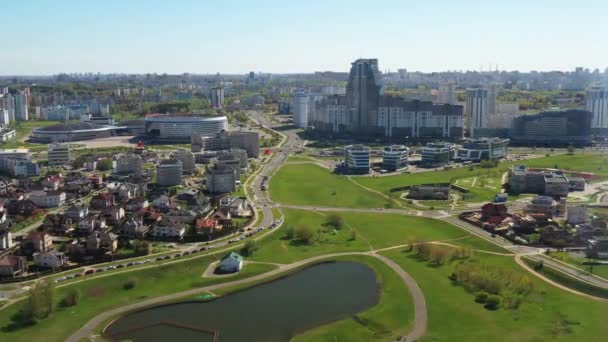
300,109
597,104
476,109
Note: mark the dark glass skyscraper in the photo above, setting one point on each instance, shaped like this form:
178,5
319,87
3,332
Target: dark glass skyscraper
362,93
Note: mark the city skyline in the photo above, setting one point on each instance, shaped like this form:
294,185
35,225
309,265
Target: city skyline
276,37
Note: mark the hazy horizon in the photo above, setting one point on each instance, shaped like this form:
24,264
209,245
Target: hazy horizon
138,37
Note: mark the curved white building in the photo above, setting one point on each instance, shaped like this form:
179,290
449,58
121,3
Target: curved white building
181,128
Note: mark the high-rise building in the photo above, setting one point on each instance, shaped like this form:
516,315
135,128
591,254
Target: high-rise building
4,118
476,109
356,158
394,157
221,179
300,109
21,109
169,172
597,104
553,128
217,97
187,159
59,153
7,101
446,93
362,93
492,96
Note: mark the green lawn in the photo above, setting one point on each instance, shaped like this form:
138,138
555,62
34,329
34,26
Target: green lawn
589,162
102,293
545,314
377,230
600,270
24,128
310,184
390,318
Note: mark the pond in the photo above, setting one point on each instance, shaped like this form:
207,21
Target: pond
275,311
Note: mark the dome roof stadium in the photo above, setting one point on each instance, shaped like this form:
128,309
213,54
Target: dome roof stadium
76,126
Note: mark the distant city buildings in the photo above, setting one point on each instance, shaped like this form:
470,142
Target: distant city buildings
542,182
356,159
129,164
553,128
181,128
446,93
365,112
187,160
248,141
301,103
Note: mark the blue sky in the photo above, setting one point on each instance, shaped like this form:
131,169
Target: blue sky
47,37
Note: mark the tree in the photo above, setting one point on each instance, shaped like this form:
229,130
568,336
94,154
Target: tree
571,149
438,255
289,232
492,302
39,303
305,234
353,235
71,298
481,297
335,221
78,162
105,165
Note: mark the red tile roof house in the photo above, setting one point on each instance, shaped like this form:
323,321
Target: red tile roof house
12,265
37,242
207,226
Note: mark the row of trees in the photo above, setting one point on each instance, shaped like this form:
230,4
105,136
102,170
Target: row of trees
438,254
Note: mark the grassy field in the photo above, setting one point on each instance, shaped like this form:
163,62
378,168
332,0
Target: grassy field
390,318
24,128
370,234
102,293
545,314
590,162
309,184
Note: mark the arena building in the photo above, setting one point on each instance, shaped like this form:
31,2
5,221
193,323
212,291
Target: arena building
179,129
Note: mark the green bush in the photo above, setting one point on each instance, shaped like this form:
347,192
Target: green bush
492,302
70,299
129,284
481,297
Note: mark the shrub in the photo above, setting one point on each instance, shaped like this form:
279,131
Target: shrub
492,302
129,284
438,255
481,297
335,221
289,233
305,234
250,247
71,298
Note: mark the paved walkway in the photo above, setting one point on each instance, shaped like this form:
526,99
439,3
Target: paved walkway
420,314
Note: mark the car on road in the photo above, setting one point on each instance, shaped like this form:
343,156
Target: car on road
91,271
120,266
167,257
130,264
177,255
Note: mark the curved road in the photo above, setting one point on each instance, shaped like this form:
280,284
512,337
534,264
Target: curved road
420,309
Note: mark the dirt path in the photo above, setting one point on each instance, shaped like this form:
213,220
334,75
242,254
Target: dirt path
420,314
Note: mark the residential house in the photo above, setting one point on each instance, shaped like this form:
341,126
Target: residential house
114,215
181,215
90,223
48,199
102,201
6,239
237,207
99,242
207,226
36,242
77,189
50,259
57,224
133,227
12,265
136,204
25,208
77,212
163,203
223,218
169,229
52,182
127,191
231,263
